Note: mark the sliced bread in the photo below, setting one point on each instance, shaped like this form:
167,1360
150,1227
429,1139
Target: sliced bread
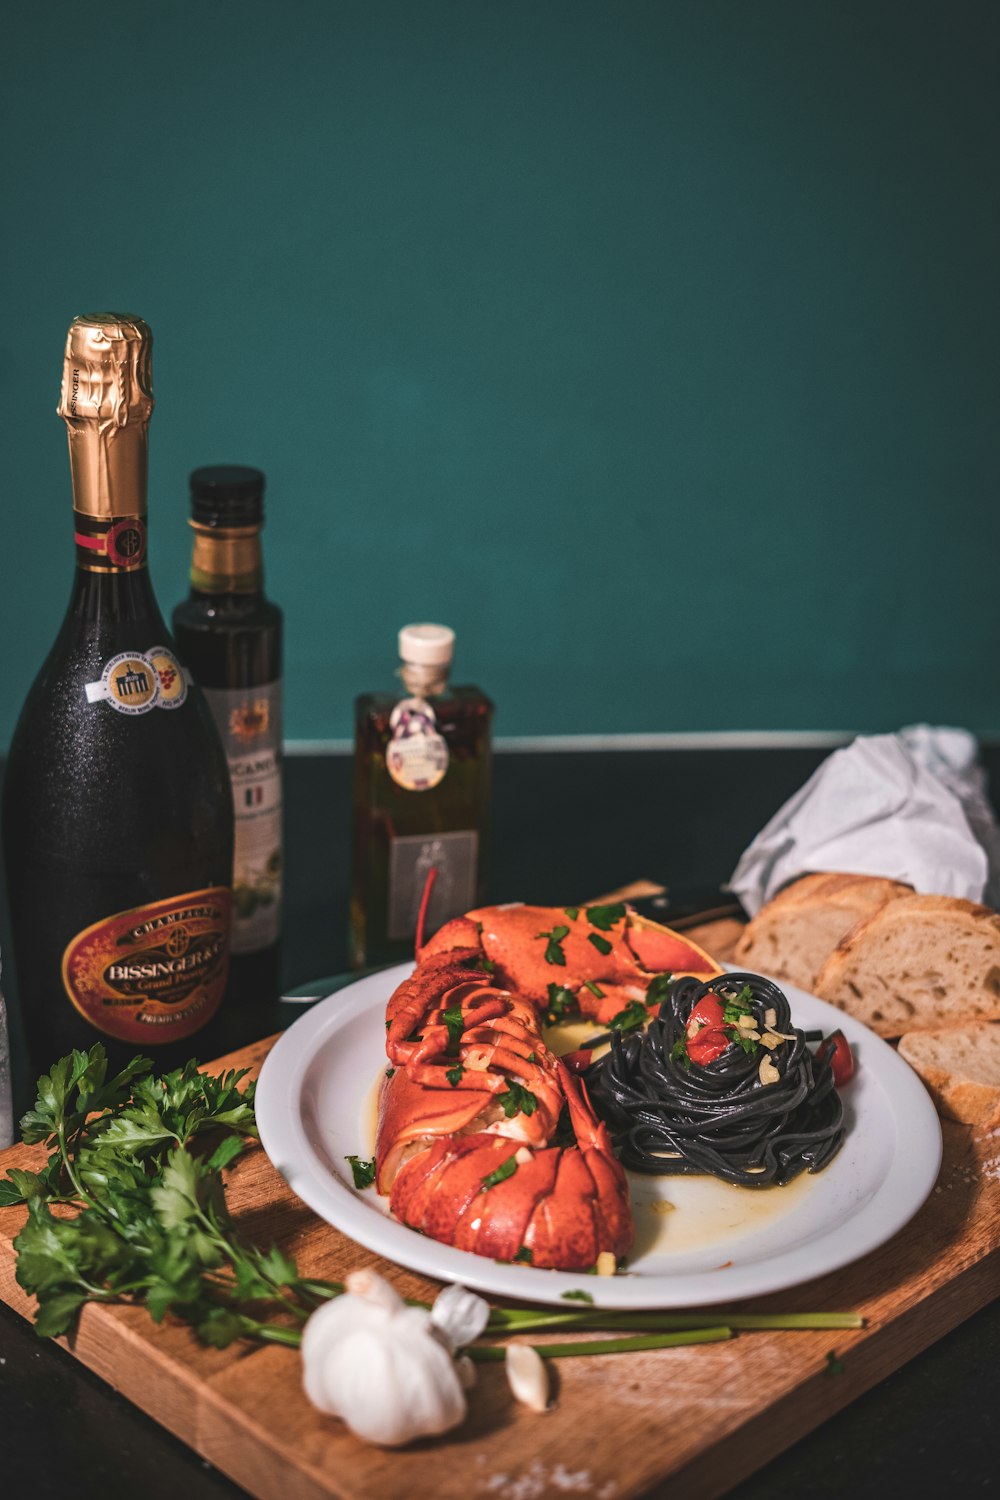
793,935
961,1068
919,963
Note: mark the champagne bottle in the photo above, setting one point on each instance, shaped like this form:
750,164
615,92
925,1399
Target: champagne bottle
117,816
421,800
229,634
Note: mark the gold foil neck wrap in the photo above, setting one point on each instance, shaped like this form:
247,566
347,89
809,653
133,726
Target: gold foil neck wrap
106,402
226,561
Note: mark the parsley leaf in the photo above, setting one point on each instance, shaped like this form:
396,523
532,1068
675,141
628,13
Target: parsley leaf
679,1052
631,1018
454,1075
577,1296
572,912
563,1004
658,989
517,1100
504,1170
605,917
364,1171
601,944
595,989
455,1022
553,949
524,1255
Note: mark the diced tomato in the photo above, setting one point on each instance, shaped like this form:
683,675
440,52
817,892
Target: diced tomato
708,1012
578,1061
706,1038
838,1049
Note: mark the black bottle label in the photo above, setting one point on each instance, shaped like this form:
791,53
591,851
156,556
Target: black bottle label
110,544
411,858
155,973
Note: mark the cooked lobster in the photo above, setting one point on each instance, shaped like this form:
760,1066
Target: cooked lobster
485,1140
603,956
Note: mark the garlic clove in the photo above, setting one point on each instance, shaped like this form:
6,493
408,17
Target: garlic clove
527,1376
374,1288
459,1316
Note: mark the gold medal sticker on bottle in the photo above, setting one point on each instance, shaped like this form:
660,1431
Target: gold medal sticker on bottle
156,973
416,756
133,682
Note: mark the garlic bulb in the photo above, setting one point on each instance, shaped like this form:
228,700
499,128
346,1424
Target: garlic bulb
386,1369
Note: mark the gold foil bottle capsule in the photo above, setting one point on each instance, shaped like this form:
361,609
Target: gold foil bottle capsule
106,403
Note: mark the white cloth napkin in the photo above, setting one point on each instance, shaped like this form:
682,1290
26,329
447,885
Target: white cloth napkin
911,806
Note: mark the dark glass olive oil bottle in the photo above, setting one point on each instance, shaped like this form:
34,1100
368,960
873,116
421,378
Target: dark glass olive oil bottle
421,800
117,819
230,634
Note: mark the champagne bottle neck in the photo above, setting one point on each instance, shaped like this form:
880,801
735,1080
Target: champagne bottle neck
226,560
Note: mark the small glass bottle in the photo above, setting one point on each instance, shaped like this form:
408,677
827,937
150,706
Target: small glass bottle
232,644
421,800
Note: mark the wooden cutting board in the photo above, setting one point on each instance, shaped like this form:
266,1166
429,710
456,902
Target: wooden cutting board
695,1420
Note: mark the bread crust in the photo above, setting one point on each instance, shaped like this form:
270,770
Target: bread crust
919,963
961,1068
792,936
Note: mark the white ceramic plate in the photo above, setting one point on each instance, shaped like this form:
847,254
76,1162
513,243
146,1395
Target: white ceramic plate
698,1241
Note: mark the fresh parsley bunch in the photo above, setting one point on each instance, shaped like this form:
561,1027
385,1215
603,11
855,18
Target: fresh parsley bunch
136,1169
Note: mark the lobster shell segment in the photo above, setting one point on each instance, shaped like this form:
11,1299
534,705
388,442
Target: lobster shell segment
604,955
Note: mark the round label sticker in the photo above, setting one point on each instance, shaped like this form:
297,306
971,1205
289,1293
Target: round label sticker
126,542
173,683
416,756
130,683
155,973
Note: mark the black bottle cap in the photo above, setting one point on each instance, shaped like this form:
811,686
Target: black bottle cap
227,495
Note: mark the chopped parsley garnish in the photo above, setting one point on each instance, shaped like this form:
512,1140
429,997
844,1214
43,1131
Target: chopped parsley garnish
595,989
364,1171
524,1255
488,966
504,1170
572,912
577,1296
553,949
658,989
631,1018
532,1057
562,1003
517,1100
605,917
455,1022
746,1042
679,1052
601,944
415,1036
389,1072
454,1075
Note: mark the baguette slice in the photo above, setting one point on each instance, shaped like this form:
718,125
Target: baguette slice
795,933
919,964
961,1068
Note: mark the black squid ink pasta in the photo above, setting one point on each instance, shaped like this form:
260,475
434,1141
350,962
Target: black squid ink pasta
670,1114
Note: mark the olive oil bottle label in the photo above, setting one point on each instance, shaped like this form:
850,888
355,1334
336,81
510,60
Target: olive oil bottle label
133,682
155,973
411,858
249,721
416,756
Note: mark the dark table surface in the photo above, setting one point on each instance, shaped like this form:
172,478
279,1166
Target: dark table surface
568,825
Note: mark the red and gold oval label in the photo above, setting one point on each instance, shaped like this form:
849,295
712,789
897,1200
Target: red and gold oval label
156,973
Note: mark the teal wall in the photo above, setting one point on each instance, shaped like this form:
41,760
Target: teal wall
653,346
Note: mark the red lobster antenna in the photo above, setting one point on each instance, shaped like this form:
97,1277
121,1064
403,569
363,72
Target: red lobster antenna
425,901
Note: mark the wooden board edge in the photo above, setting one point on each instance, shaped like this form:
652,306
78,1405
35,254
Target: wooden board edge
754,1442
